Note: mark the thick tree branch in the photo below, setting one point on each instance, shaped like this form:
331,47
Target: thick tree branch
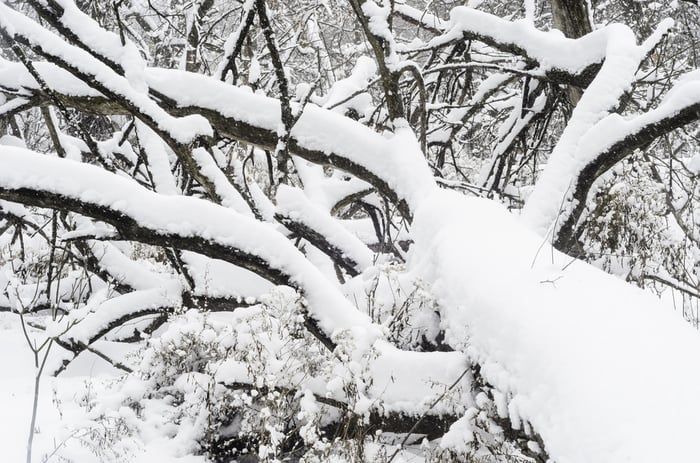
567,234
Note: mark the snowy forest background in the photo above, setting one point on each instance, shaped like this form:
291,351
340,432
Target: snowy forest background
349,231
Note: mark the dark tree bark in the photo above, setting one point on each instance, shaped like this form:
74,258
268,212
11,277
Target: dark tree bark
573,19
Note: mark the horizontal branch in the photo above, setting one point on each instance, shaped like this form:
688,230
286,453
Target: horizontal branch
432,426
322,243
560,60
239,115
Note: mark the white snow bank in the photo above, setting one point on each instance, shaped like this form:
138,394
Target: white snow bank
601,369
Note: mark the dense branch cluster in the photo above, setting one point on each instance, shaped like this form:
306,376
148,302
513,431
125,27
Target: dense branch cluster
291,204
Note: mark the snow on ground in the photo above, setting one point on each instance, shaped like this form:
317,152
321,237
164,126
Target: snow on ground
16,386
16,394
62,428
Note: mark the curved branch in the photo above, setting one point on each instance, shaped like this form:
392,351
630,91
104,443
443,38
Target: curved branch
236,114
141,215
648,128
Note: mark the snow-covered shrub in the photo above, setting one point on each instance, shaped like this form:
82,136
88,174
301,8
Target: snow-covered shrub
631,233
227,385
248,384
628,230
400,302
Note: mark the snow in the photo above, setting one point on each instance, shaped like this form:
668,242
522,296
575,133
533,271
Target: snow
219,279
421,16
292,203
104,43
460,433
102,312
133,273
56,409
184,129
357,82
508,131
392,158
10,140
223,187
185,217
589,128
326,192
550,49
158,160
564,355
192,217
602,370
378,24
230,43
393,379
15,75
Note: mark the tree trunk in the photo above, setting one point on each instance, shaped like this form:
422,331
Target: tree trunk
573,19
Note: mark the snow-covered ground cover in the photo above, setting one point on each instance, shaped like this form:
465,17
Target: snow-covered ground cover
58,427
90,414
